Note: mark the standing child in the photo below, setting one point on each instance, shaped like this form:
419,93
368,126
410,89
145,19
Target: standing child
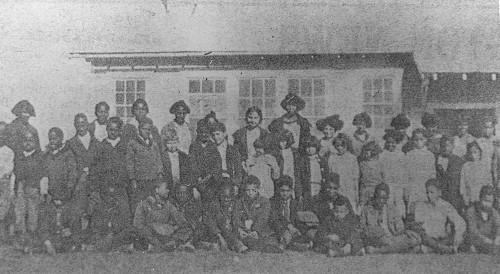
449,169
98,127
475,174
180,109
176,166
330,126
345,164
371,171
23,111
287,157
430,122
264,167
401,123
462,138
420,162
310,168
362,121
6,182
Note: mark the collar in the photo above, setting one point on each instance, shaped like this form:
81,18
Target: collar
113,142
223,145
28,154
170,154
97,124
86,136
61,149
313,157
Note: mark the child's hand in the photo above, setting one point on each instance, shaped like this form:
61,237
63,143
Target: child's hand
253,235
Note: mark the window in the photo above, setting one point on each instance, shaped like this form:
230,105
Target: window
260,93
205,95
312,90
378,100
127,91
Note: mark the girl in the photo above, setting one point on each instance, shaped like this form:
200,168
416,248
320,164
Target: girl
362,121
330,126
401,123
245,137
264,167
462,139
476,173
371,171
310,168
98,127
287,157
345,164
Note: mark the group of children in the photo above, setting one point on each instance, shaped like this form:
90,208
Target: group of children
116,186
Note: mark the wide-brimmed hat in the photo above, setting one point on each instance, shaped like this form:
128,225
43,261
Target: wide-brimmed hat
178,104
24,105
294,100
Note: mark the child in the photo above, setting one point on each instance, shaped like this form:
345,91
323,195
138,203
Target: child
486,141
202,159
430,121
420,163
245,137
371,171
251,217
475,174
31,175
310,168
140,110
23,110
144,164
264,167
98,127
338,235
284,220
179,124
346,166
462,138
432,219
6,183
176,165
323,203
362,121
394,169
330,126
401,123
449,169
382,225
287,158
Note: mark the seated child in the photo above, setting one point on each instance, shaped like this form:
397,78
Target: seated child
383,227
251,218
284,220
220,222
431,218
159,224
338,234
322,205
483,222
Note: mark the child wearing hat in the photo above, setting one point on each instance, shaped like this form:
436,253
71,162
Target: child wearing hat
330,126
263,166
180,109
292,120
362,122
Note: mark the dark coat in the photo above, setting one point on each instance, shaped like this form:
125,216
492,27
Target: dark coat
279,158
451,181
185,171
305,128
30,170
278,221
303,171
62,173
240,140
84,157
257,210
109,169
321,206
234,164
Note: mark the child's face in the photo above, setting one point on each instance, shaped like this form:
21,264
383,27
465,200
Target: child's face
361,126
390,144
29,142
282,144
55,140
252,191
102,114
219,137
487,201
381,198
253,119
180,114
114,131
488,129
311,151
140,112
433,193
367,154
329,131
81,126
340,212
162,190
332,189
475,153
24,114
226,196
419,141
171,145
341,150
463,129
285,192
182,194
145,130
448,148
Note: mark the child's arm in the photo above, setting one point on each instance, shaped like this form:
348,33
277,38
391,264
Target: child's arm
275,169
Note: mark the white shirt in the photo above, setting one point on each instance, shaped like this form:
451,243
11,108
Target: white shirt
315,169
27,154
85,140
6,162
222,148
434,218
113,142
100,132
184,135
252,135
174,161
294,128
288,167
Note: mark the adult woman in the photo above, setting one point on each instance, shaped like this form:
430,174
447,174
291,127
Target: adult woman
245,137
23,110
179,124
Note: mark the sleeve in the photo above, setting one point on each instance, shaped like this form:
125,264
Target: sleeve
7,167
496,220
472,225
463,184
456,219
276,223
129,159
238,168
158,160
140,220
179,218
238,216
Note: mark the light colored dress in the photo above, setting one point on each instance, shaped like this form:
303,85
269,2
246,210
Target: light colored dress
474,176
395,175
346,166
460,144
265,168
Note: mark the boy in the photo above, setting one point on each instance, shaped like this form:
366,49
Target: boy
180,109
202,159
98,127
287,157
310,169
6,182
144,164
251,217
449,168
338,235
431,218
383,227
284,220
159,224
176,164
483,222
140,110
31,175
322,206
220,219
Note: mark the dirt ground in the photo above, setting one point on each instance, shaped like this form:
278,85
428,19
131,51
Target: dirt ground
213,262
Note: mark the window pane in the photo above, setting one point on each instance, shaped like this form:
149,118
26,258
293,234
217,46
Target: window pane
387,122
368,109
308,109
244,105
389,96
257,88
293,86
388,84
129,112
194,86
141,96
120,111
120,86
207,86
220,86
379,122
378,110
257,103
319,87
130,98
130,86
306,87
270,87
377,84
120,98
194,102
220,104
389,111
319,107
377,96
269,108
141,86
367,84
245,88
367,96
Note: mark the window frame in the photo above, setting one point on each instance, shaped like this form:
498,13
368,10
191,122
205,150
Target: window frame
313,97
384,110
198,109
123,97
